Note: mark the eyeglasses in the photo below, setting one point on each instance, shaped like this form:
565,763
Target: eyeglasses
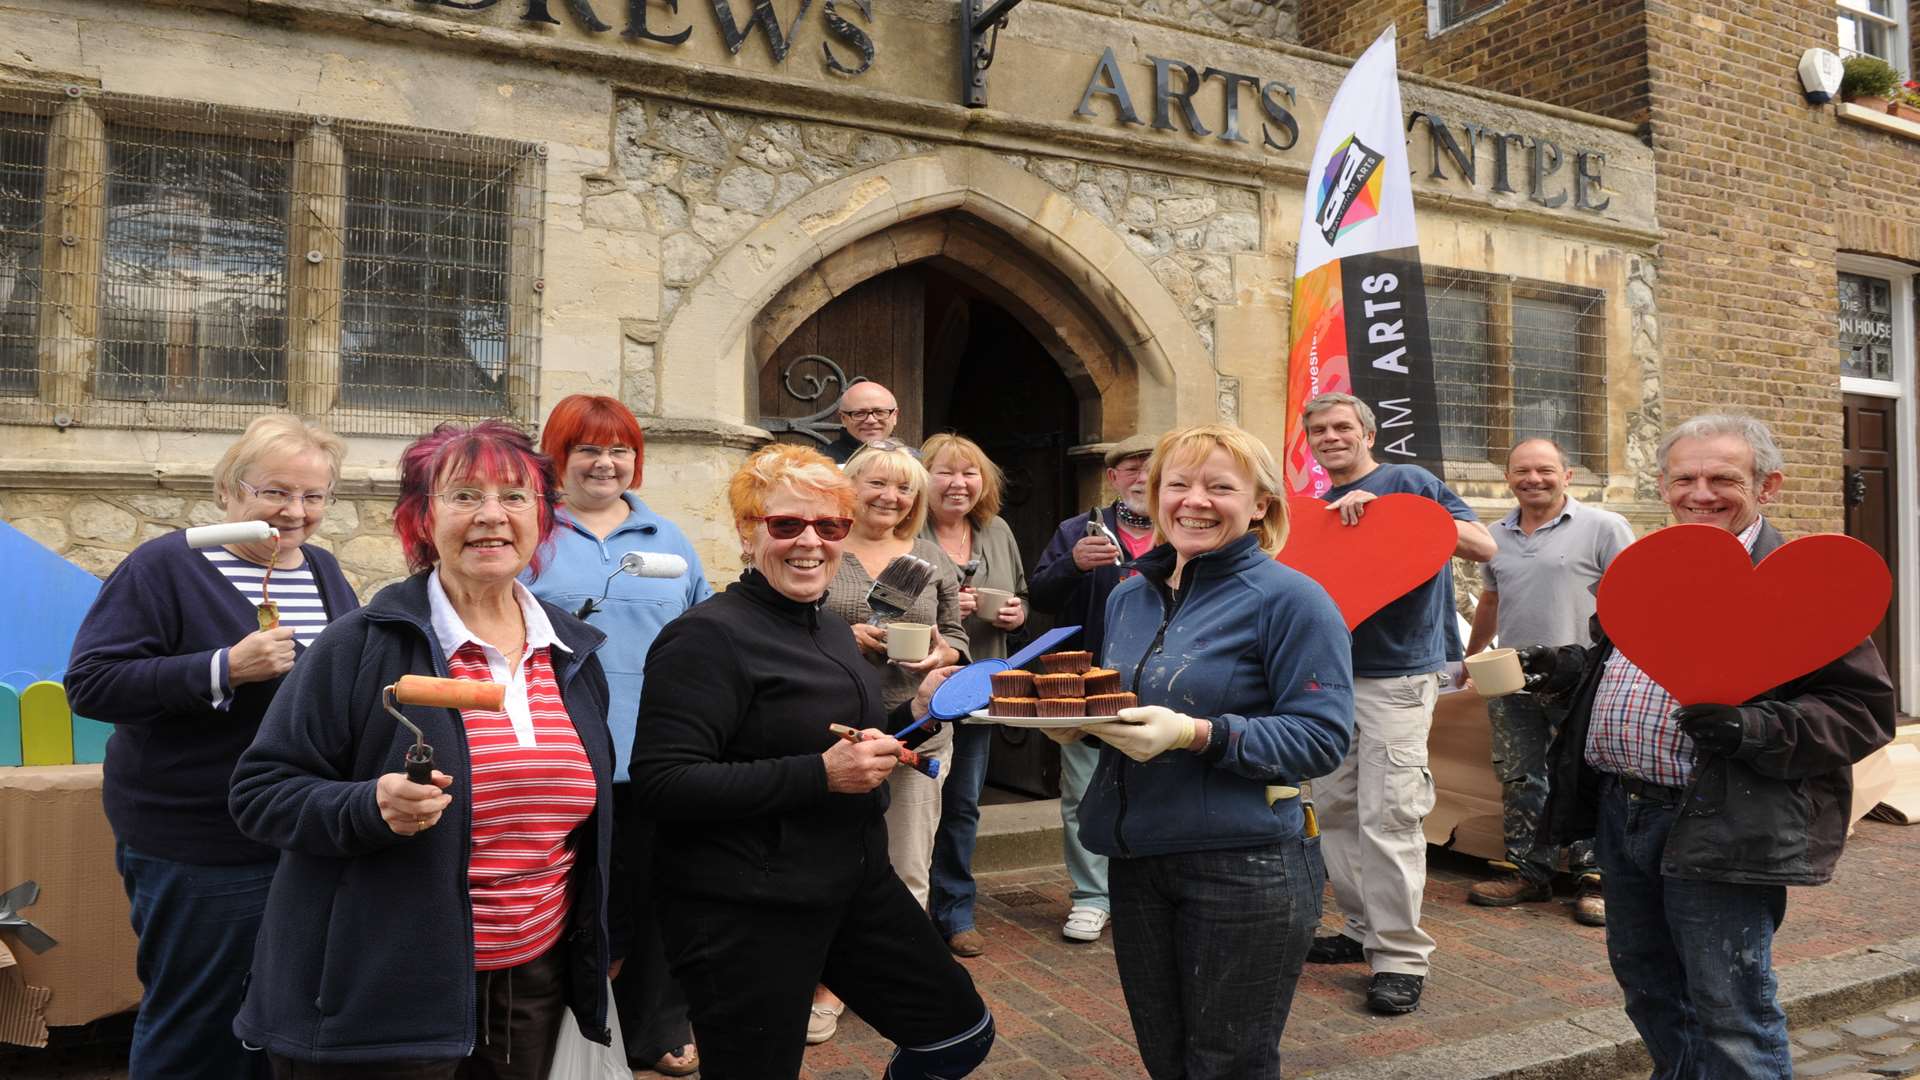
788,526
868,414
279,497
617,453
470,500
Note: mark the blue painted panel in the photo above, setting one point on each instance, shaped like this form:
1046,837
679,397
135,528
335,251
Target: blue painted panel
57,593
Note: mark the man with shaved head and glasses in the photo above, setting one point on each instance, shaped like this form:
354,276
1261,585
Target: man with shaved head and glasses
869,413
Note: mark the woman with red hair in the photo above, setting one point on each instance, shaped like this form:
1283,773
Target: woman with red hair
490,881
599,450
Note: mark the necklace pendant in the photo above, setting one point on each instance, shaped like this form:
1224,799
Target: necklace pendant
268,614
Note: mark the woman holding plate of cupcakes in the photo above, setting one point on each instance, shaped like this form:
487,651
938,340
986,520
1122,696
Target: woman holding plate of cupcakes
1243,671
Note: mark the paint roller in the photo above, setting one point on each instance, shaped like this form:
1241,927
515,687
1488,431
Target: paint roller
653,564
440,694
242,532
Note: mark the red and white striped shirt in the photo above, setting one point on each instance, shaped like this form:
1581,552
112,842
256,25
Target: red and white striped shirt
532,786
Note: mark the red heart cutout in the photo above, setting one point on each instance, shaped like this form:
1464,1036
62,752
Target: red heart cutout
1401,541
1687,605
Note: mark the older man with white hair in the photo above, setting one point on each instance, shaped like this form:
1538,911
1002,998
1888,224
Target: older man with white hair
1703,815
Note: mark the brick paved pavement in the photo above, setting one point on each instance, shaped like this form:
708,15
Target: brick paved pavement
1061,1015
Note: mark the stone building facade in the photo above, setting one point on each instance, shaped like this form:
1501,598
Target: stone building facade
689,192
1787,227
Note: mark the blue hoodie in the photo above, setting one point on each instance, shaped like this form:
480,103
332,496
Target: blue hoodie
635,608
1257,648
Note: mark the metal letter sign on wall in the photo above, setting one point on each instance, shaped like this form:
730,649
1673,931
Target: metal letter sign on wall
816,425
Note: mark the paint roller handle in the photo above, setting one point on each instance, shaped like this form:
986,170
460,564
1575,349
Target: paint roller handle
449,693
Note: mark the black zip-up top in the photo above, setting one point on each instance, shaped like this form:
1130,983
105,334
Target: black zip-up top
366,950
727,756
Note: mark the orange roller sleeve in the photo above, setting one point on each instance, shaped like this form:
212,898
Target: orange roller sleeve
449,693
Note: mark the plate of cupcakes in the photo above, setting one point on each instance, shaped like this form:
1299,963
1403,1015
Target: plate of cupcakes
1063,689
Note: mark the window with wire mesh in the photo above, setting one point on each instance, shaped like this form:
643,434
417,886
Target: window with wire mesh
193,289
427,322
1442,14
23,160
188,295
1515,359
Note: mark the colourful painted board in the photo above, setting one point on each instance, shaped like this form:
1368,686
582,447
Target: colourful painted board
46,725
1400,542
9,726
90,741
1688,606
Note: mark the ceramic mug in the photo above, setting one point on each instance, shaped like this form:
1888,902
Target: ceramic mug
988,602
1496,672
909,641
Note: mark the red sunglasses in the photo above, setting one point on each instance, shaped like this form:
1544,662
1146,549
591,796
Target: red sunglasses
787,526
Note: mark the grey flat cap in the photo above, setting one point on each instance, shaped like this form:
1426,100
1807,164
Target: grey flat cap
1131,446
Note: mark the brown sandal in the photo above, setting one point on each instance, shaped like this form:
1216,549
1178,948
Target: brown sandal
689,1056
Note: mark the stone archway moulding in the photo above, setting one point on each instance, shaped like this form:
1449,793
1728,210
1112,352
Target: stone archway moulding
706,367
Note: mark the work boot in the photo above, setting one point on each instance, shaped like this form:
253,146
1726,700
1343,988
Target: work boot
1590,907
1336,949
1508,890
1392,993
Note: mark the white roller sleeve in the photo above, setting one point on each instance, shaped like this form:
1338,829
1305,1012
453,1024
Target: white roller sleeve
234,532
653,564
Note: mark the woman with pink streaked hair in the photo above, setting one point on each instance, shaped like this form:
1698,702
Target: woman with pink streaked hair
447,928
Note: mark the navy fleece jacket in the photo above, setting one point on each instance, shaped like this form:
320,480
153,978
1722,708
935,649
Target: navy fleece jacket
143,662
1257,648
366,950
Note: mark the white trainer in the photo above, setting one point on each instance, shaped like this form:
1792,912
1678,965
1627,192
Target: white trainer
1084,924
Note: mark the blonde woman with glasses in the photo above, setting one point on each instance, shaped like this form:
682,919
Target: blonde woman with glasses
173,654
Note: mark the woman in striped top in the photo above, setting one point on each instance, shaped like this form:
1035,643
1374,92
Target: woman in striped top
173,654
439,929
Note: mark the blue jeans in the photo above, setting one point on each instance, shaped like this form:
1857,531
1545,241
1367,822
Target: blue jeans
1088,870
951,889
1523,729
1209,945
1694,957
196,926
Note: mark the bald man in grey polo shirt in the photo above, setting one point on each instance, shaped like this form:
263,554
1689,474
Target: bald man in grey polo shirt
1539,591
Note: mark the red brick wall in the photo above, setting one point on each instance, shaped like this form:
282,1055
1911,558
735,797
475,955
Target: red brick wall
1759,192
1582,54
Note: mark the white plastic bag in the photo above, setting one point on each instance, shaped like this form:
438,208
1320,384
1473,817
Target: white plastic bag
576,1057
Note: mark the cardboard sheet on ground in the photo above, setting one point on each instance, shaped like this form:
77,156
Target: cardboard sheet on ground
1466,809
1688,606
1401,541
53,831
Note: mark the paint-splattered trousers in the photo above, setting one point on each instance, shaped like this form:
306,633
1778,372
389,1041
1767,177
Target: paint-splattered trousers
1695,958
1523,730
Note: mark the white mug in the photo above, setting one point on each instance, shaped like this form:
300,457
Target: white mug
909,641
1496,672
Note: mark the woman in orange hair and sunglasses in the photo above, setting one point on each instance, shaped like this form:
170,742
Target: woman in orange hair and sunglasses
771,860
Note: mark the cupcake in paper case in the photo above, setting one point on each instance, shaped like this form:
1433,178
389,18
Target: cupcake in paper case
1101,681
1110,704
1061,708
1051,686
1013,683
1066,663
1014,706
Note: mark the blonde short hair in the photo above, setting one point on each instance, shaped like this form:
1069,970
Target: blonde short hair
805,472
991,479
275,435
895,464
1249,453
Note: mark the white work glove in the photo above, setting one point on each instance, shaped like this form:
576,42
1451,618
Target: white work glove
1146,732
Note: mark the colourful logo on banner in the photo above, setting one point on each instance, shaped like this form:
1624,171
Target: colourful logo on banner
1349,188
